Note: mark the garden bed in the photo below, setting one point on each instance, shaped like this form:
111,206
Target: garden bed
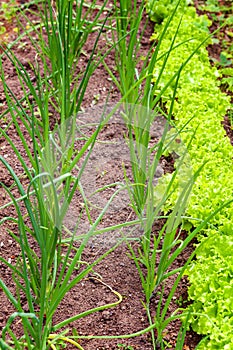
117,272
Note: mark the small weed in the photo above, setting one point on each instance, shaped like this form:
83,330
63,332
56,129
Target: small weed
125,347
2,28
8,9
227,79
230,115
224,60
180,301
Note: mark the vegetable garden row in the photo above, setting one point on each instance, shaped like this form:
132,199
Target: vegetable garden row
174,80
201,106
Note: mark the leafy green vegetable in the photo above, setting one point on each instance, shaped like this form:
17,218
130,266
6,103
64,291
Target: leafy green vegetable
201,106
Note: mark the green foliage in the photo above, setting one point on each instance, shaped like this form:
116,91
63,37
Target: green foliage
3,29
201,106
125,36
222,16
45,279
215,6
211,291
68,25
58,86
7,12
227,80
42,274
125,347
8,9
160,10
141,108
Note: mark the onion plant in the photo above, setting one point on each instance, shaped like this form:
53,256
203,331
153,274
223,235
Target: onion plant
43,274
141,109
68,25
133,73
44,270
44,278
59,39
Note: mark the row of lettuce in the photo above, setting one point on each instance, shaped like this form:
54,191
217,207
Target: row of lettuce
202,106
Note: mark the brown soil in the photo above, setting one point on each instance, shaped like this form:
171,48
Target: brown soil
117,270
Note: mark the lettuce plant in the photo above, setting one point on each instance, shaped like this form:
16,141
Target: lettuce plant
201,106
